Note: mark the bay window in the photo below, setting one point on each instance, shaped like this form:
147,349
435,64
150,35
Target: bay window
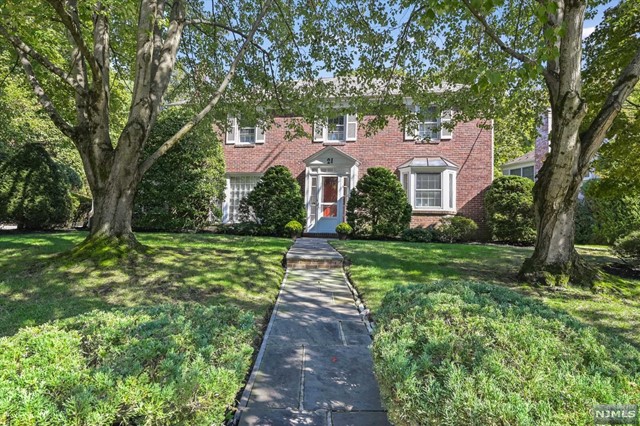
430,184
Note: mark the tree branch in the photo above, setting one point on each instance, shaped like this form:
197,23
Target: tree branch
167,57
72,22
44,100
18,44
146,164
592,138
197,22
492,34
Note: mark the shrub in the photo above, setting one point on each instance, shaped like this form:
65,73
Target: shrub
293,227
456,229
275,200
165,365
628,248
34,190
417,235
344,228
459,353
378,205
613,215
509,207
176,194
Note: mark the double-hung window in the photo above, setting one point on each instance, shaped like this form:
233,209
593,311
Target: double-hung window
428,192
429,124
244,133
336,129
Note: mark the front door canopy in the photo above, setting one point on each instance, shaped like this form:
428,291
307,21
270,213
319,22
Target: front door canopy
331,156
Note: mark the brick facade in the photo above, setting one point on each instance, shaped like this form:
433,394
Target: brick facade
471,148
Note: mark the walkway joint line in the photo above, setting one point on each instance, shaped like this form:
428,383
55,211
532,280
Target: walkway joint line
300,404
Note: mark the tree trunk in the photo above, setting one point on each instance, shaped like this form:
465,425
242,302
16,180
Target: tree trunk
555,260
113,177
113,209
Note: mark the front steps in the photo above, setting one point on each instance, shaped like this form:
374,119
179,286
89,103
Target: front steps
313,253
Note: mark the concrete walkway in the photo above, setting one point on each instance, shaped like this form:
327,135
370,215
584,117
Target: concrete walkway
314,366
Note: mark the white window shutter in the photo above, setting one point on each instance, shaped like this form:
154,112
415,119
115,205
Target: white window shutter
232,130
318,130
411,131
259,135
445,118
352,127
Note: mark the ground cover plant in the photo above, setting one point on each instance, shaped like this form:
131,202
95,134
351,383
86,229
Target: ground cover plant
164,336
462,353
168,364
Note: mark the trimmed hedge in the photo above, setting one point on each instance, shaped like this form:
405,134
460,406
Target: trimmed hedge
34,190
378,205
165,365
509,207
454,353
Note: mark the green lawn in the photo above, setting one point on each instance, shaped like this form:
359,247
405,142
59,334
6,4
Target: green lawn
377,267
36,286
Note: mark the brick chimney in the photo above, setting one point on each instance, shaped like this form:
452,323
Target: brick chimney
543,140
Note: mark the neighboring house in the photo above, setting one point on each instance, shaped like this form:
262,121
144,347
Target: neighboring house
529,164
444,172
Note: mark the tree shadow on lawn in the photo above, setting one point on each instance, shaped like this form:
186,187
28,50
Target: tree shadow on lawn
37,286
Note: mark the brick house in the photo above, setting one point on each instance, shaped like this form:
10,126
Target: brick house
444,172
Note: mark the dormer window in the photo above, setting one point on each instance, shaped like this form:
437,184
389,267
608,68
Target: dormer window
244,133
336,129
429,124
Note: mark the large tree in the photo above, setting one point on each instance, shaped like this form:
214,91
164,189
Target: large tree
499,53
226,57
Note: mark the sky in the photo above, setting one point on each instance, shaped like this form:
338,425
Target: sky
590,24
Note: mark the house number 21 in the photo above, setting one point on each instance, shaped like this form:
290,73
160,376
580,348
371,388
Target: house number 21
330,160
